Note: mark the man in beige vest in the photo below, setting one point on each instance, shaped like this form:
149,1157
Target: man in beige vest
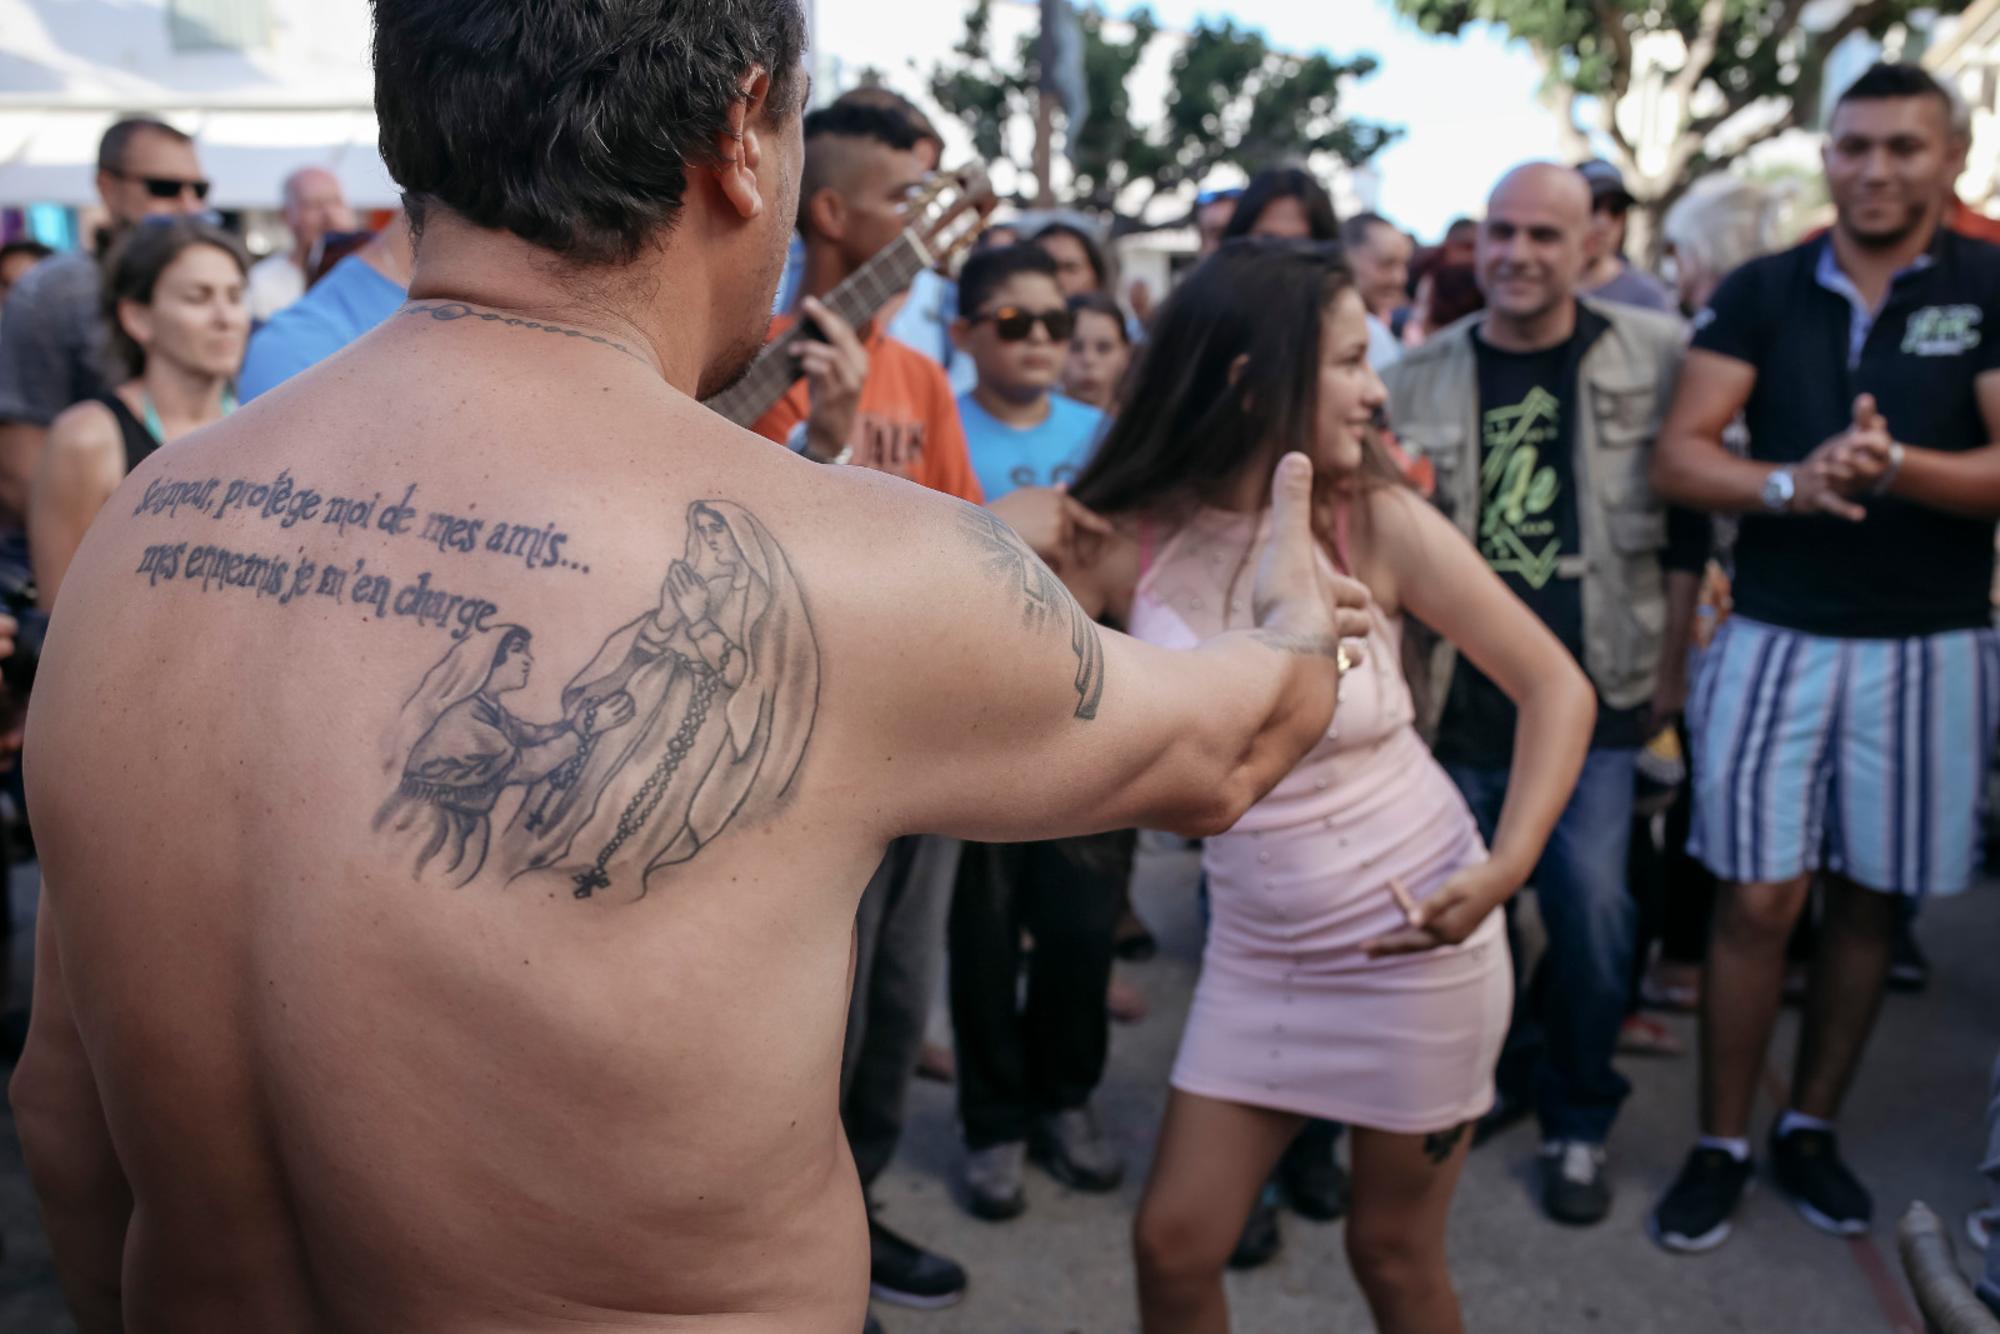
455,773
1539,414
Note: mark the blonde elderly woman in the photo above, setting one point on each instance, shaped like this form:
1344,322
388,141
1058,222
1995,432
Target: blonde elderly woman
1721,222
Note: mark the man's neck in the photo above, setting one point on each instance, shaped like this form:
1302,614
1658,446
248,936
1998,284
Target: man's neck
463,263
1534,333
826,268
1873,268
185,399
1602,271
1011,408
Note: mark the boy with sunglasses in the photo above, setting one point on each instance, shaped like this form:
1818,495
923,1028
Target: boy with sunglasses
1015,325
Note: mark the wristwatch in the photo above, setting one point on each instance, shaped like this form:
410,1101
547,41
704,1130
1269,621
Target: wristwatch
1779,488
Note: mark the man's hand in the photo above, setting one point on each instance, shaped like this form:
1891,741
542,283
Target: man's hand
7,628
1670,696
1849,465
1449,916
835,370
1050,522
1297,604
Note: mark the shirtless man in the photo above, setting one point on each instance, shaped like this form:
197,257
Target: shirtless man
455,773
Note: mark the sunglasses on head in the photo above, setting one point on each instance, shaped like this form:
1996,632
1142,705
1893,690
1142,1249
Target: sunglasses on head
1014,324
166,187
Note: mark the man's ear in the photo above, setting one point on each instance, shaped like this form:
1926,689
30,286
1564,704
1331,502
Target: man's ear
741,146
826,214
961,334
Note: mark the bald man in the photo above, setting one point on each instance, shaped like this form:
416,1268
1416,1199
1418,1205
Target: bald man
314,206
1539,414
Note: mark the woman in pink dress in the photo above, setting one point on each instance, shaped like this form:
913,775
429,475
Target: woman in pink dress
1356,967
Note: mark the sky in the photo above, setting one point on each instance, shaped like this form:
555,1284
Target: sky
1468,105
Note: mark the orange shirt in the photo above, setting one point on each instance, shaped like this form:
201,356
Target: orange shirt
1962,218
907,423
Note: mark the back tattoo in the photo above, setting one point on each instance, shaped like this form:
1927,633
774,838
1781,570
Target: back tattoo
693,713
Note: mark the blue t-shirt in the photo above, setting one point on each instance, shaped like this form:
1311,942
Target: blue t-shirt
1010,457
349,301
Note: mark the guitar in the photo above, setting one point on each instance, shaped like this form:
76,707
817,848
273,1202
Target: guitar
944,220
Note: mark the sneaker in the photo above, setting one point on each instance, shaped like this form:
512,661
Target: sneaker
903,1272
1261,1241
993,1181
1808,1167
1071,1147
1909,970
1574,1190
1311,1181
1125,1002
1693,1216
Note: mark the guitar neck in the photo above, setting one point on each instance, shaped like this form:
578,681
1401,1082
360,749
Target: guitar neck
856,301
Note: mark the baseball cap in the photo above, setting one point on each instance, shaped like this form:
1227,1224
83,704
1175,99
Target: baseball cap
1604,179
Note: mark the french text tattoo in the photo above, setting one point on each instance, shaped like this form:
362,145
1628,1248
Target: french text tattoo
1044,600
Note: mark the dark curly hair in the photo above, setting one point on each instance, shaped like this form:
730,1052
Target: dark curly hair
571,124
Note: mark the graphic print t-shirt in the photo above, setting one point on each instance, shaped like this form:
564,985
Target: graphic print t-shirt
1528,525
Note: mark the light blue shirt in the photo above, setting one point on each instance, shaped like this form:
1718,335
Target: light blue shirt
349,301
1007,458
1834,279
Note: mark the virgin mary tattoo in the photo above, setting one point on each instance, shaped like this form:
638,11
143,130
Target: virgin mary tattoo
694,713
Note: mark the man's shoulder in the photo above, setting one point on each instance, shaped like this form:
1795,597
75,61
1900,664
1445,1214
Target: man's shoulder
1976,260
61,287
1440,349
1652,331
1075,411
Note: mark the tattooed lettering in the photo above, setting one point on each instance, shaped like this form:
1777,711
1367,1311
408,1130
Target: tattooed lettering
1044,600
696,711
287,503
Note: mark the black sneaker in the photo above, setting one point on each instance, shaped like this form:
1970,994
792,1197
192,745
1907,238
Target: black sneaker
903,1272
1261,1241
1808,1167
1313,1183
1693,1216
1574,1190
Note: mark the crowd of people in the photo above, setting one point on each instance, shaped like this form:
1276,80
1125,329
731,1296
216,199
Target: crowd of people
1670,600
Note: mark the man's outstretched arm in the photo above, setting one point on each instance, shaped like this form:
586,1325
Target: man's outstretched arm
1002,712
86,1200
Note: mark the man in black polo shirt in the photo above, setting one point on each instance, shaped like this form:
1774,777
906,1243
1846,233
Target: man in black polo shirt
1843,717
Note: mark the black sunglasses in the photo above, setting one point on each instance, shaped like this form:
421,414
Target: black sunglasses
164,187
1014,324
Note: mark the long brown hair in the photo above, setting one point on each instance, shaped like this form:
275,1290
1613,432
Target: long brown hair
1189,420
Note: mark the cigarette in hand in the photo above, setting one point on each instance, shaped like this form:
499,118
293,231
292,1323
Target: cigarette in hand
1405,902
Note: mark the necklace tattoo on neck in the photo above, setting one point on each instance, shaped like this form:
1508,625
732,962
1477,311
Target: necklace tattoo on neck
448,311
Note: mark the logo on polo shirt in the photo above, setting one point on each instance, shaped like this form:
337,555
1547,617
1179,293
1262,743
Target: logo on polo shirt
1942,331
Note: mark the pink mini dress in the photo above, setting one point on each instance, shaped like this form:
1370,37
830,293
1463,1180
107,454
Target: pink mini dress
1290,1013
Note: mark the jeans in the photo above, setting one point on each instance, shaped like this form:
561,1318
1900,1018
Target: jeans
898,935
1566,1018
1019,1060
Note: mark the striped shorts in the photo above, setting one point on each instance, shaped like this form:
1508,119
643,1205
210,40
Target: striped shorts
1863,757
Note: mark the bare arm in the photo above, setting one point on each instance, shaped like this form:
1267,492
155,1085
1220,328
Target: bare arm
1440,579
77,472
1966,482
1691,466
85,1198
20,448
1015,716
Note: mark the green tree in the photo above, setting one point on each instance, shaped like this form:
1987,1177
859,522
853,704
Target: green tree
1742,71
1233,100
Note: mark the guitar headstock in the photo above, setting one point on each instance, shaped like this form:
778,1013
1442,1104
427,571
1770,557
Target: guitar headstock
950,212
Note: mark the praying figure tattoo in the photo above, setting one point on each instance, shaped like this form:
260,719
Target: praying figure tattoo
694,713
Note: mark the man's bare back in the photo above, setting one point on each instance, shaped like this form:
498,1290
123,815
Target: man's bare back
455,776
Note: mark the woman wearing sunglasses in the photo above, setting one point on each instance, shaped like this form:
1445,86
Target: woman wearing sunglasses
174,300
1356,967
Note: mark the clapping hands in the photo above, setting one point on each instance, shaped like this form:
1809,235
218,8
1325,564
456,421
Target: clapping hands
1850,465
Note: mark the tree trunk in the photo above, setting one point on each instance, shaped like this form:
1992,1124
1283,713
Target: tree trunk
1643,243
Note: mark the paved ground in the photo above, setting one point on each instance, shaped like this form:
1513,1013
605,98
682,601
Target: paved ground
1913,1130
